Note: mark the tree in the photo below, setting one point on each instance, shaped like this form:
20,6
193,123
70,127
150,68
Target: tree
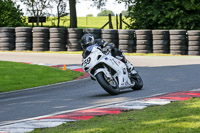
73,16
10,14
37,8
89,15
125,13
106,13
61,9
168,14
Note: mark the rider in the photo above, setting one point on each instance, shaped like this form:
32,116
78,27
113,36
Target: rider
88,39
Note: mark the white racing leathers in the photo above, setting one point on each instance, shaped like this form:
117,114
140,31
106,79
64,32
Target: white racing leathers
111,73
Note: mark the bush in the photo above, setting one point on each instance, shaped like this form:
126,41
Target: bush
168,14
10,15
125,13
106,13
89,15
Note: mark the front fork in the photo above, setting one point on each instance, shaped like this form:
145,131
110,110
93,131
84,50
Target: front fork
109,75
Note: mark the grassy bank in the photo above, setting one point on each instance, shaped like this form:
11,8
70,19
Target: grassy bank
16,76
177,117
83,22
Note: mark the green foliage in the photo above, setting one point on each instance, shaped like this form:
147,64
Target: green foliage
38,7
106,13
89,15
168,14
10,15
125,13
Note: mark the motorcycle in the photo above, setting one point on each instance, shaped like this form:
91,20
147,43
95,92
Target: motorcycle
111,73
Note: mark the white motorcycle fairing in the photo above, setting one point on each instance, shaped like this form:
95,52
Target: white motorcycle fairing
96,61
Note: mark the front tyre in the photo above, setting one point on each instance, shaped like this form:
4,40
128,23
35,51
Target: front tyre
108,85
138,82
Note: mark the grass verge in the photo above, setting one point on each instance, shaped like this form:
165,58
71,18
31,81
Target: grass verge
82,22
16,76
176,117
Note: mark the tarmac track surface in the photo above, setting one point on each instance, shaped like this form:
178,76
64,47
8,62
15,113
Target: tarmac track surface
84,93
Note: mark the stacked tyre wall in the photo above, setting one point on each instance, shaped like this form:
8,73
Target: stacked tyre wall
193,42
7,38
143,41
40,39
23,38
95,32
181,42
57,39
126,41
73,36
110,35
160,41
178,42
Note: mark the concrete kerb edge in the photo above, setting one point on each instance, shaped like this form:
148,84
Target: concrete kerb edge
145,102
40,87
61,112
144,99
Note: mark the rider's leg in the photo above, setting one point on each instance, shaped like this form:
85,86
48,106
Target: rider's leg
119,55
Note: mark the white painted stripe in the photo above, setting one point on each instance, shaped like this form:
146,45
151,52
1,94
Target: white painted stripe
136,103
157,101
17,128
73,67
44,123
126,107
28,126
196,89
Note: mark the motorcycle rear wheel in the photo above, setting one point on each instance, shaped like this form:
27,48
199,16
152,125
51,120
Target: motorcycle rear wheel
111,88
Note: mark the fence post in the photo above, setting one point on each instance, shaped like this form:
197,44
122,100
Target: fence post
37,18
110,22
86,20
116,21
120,21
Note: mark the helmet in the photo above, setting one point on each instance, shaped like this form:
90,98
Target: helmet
87,40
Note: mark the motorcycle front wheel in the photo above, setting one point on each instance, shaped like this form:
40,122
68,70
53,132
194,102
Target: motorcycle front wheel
138,82
109,85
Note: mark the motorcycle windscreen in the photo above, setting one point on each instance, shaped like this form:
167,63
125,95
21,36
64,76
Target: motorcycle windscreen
88,50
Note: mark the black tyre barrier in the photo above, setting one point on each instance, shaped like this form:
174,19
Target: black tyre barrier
178,42
74,35
160,41
57,39
23,38
40,39
95,32
7,38
110,36
126,40
143,41
193,42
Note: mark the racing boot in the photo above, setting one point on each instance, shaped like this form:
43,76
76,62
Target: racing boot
130,67
119,55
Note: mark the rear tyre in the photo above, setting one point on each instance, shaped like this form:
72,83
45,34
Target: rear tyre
110,86
138,82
